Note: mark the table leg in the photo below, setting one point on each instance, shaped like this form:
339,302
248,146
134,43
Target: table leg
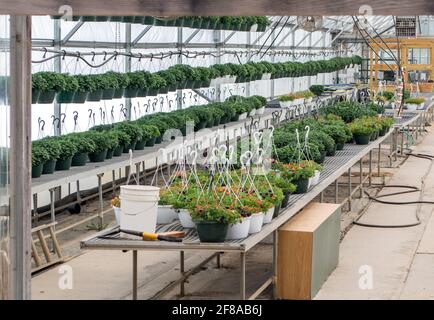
134,274
370,168
219,260
182,270
275,247
350,190
243,276
336,191
361,177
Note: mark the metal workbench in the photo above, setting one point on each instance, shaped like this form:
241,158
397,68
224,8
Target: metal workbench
334,167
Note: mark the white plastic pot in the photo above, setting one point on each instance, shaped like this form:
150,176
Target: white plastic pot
185,219
139,208
412,107
298,101
309,100
242,116
256,222
269,215
166,214
315,178
252,112
239,230
260,111
286,104
117,211
420,106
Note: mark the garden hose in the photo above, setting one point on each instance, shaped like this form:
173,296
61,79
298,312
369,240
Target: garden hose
411,189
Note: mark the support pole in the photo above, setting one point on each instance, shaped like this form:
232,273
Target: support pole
101,201
275,247
20,156
361,177
182,271
370,168
336,191
134,274
350,191
243,276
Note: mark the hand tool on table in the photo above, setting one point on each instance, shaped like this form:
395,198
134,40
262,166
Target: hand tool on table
174,236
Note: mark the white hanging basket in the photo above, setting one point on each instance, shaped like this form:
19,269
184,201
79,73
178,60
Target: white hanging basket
239,230
166,214
256,222
252,113
260,111
242,116
185,219
269,215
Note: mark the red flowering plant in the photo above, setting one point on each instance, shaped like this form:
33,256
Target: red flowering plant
299,171
250,204
208,208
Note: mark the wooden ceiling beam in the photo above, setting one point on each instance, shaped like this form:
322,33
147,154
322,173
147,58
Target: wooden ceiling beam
213,7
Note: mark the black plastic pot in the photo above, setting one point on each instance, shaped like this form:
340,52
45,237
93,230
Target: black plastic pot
79,97
63,164
323,156
383,132
101,18
119,93
211,231
302,186
150,142
216,121
35,96
95,95
199,126
131,146
37,171
210,123
332,153
128,19
235,118
285,200
159,139
140,145
188,22
148,20
374,136
88,18
109,154
340,146
116,18
139,19
65,97
79,159
277,210
143,92
108,94
117,152
160,23
130,92
98,156
46,96
362,139
49,167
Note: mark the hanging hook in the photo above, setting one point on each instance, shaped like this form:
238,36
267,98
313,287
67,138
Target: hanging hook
63,115
90,112
105,55
43,125
45,52
64,54
93,56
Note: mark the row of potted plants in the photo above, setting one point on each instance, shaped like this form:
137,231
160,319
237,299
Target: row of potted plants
367,129
296,98
212,23
47,86
107,141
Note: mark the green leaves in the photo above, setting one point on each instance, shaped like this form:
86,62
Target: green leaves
49,81
39,155
131,129
317,89
83,142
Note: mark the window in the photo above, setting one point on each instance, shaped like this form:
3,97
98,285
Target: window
418,56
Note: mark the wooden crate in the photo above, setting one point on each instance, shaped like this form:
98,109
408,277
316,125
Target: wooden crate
308,251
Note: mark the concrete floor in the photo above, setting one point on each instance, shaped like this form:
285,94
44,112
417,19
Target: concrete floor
399,263
379,263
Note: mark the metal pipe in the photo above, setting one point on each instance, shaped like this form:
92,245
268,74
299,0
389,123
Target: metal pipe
243,276
134,274
182,271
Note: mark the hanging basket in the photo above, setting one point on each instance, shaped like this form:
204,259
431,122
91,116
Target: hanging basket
46,97
79,97
108,94
65,97
159,139
49,167
115,19
140,145
98,156
88,18
95,96
143,92
148,20
139,19
79,159
150,142
128,19
130,93
119,93
101,18
211,231
117,152
37,171
63,164
35,96
109,154
131,146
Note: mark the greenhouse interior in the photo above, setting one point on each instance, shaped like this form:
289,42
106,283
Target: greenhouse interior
166,153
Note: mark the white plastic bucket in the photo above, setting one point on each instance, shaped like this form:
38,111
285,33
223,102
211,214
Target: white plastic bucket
185,219
117,211
139,208
239,230
315,178
252,112
260,111
256,221
269,215
166,214
242,116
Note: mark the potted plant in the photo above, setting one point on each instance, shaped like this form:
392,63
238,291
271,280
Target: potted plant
301,175
67,150
85,145
414,103
123,140
53,82
97,89
137,81
68,92
113,145
52,146
39,157
286,101
361,132
109,82
386,123
134,133
317,90
166,213
38,84
116,205
85,85
103,144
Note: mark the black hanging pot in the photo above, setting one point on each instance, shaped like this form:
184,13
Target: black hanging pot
101,18
140,145
216,122
131,146
98,156
35,96
79,97
110,154
46,96
79,159
159,139
302,186
139,19
116,19
211,231
37,171
130,92
95,95
331,153
117,152
128,19
148,20
150,142
340,146
88,18
143,92
49,167
235,117
108,94
285,200
65,97
63,164
119,93
323,156
362,139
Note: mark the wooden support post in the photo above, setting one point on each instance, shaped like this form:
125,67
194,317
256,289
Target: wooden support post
182,271
350,191
101,201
